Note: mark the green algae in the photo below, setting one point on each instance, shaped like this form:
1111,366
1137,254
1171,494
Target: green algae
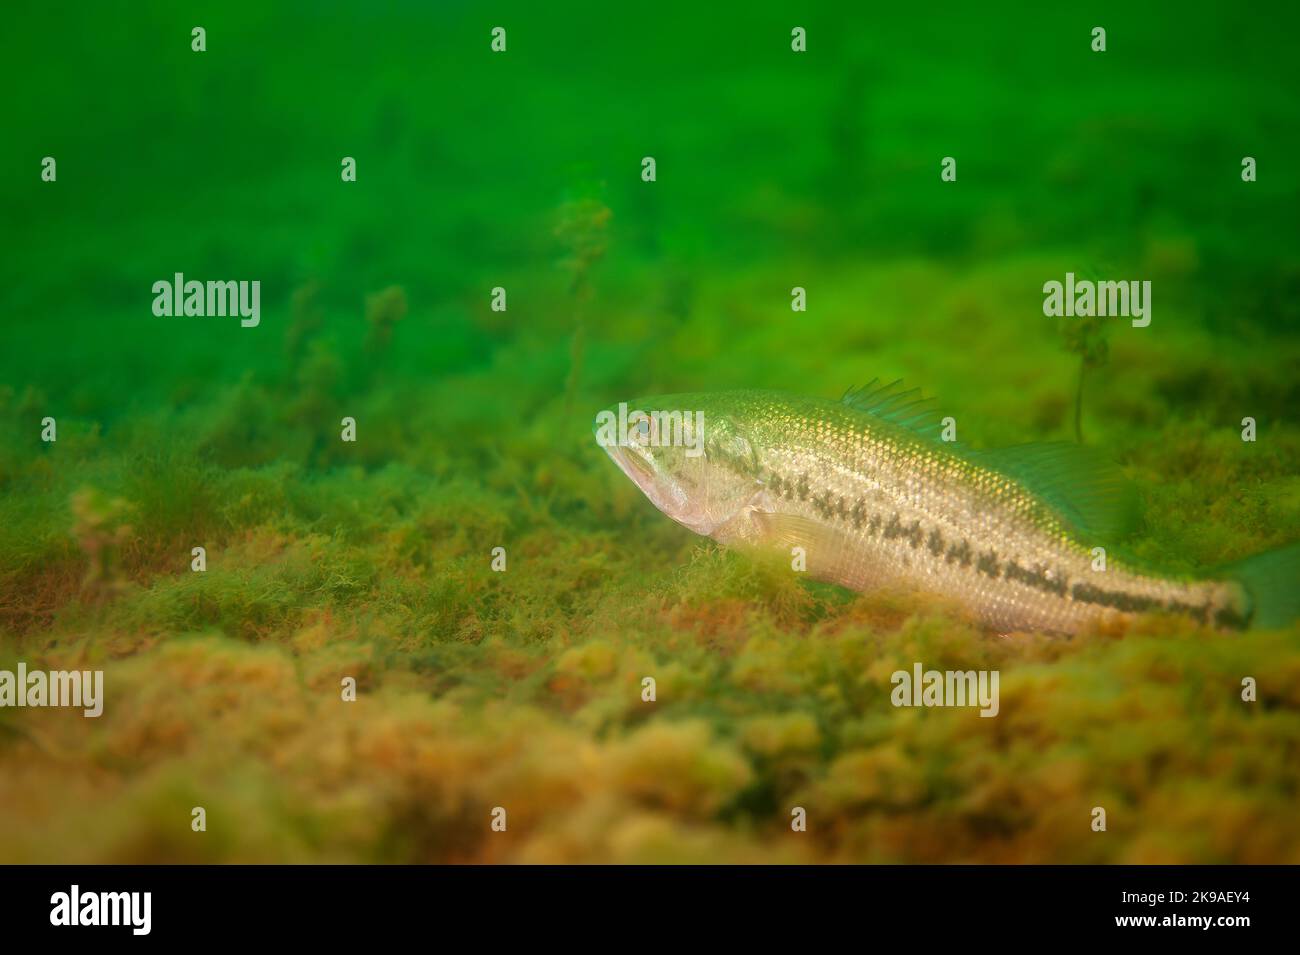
524,689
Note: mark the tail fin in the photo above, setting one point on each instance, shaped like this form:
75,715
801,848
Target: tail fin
1272,580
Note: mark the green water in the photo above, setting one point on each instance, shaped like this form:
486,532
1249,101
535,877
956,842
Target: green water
523,170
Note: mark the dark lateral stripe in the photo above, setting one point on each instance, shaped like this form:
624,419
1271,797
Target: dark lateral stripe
1130,603
1036,578
960,552
987,562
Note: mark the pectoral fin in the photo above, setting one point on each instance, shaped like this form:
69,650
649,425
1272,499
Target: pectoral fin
824,554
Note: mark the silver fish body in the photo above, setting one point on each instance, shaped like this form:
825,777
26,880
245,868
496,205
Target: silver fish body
874,503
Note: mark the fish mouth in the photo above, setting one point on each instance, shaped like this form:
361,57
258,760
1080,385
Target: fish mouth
635,466
663,492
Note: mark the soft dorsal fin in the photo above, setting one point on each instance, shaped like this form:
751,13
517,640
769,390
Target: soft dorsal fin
896,404
1081,484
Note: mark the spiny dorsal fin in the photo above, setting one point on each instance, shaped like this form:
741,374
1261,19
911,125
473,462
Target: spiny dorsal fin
1079,483
898,405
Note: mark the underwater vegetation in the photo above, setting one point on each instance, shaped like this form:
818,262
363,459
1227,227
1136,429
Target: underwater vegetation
523,688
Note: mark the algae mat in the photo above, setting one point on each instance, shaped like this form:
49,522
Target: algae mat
130,436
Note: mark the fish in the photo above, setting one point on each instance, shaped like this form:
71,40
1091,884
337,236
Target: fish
866,493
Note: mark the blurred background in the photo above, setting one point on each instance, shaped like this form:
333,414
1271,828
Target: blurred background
522,170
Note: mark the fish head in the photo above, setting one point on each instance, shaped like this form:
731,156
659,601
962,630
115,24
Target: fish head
686,453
